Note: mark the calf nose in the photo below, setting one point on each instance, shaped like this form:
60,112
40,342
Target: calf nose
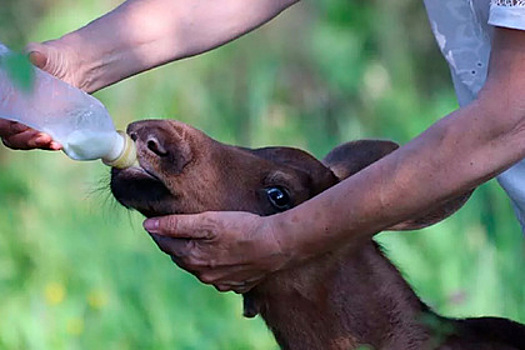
150,135
161,142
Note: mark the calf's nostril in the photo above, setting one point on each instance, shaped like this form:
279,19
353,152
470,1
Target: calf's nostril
155,146
133,136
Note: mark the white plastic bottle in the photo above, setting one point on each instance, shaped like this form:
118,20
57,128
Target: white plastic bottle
73,118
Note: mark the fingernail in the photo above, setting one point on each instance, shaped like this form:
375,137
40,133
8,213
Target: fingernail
152,225
55,146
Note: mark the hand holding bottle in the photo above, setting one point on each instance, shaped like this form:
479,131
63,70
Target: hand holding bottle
54,60
76,120
20,137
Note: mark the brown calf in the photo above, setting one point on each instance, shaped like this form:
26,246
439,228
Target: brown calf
350,297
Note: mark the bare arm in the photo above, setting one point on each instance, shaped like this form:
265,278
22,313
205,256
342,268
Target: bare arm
461,151
142,34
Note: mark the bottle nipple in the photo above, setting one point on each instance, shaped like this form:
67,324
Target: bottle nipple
128,157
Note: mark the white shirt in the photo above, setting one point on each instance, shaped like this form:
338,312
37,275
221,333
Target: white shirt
463,30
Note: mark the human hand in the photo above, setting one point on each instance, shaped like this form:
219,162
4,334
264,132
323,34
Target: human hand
58,61
230,250
20,137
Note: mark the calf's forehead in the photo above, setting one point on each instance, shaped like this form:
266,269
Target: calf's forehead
295,164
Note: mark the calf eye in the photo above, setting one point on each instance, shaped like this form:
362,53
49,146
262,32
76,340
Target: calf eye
279,198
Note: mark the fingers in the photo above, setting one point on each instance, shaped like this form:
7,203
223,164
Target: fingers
20,137
213,249
31,139
236,287
223,278
198,226
173,247
8,127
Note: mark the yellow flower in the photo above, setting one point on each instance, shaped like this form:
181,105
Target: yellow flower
55,293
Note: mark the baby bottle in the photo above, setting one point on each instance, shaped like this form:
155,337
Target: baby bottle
71,117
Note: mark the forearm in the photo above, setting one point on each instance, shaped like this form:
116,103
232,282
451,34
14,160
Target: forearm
456,154
142,34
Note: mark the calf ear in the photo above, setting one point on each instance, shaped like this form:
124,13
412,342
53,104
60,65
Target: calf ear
351,157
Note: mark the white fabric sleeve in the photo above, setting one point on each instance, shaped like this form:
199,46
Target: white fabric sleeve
507,13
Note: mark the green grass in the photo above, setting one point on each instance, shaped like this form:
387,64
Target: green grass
79,272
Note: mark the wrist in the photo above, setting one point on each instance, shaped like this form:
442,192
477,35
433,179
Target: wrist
316,227
282,247
295,241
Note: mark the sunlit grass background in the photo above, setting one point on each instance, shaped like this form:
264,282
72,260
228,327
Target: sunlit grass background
78,272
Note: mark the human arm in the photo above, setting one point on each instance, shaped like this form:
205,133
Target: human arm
143,34
457,153
137,36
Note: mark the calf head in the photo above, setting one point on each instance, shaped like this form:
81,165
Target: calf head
183,171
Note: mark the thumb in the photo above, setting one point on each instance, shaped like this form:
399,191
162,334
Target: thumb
50,58
38,54
196,226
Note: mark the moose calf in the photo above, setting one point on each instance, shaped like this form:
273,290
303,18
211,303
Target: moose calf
350,297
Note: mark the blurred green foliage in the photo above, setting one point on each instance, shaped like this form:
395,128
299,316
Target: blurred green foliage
19,69
78,272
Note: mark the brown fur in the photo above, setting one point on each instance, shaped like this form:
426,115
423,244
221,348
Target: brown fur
347,298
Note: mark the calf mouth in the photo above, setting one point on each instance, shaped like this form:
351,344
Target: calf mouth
140,189
163,151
